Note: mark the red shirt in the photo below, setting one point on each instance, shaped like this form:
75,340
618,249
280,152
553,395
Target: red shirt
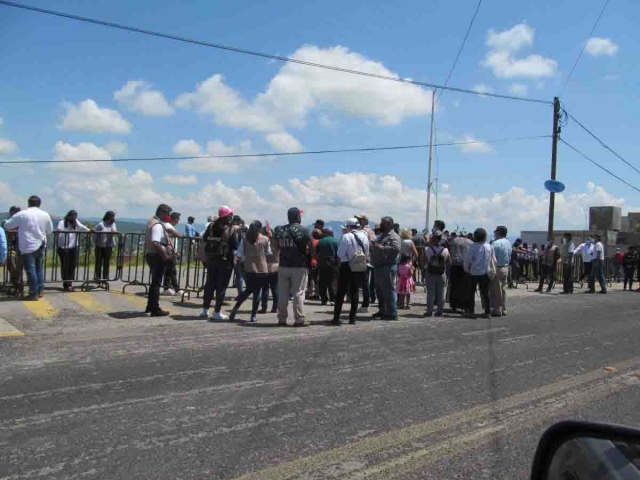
618,258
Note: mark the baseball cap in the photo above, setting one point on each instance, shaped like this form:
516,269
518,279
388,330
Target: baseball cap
328,230
224,211
363,217
353,222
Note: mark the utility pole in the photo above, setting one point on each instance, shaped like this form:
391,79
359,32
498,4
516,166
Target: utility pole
433,104
554,157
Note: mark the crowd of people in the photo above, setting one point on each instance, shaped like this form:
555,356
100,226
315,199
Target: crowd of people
295,263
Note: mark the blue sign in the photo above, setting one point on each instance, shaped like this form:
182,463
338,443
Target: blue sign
554,186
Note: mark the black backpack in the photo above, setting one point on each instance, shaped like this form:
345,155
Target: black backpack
436,265
215,246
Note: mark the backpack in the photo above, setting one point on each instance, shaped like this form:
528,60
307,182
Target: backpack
215,247
436,264
358,263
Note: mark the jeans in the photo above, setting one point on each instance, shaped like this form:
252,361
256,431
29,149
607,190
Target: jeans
617,272
567,277
326,274
256,284
35,273
348,281
238,270
103,260
385,280
586,272
364,284
435,293
171,275
597,272
291,281
372,285
498,290
68,264
483,282
272,279
218,276
547,272
628,275
312,283
156,267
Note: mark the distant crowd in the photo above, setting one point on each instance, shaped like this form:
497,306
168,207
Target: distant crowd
295,263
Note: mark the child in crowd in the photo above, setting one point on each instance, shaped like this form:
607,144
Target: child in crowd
405,282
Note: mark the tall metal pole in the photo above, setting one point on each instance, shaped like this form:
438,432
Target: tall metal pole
433,104
554,155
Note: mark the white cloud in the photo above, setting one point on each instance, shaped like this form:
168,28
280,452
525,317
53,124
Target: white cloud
598,46
116,148
283,142
502,59
180,179
137,95
296,90
213,148
81,151
89,117
9,197
482,88
477,146
518,89
8,147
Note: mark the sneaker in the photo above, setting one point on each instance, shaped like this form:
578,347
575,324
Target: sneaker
352,322
390,317
336,323
180,293
504,312
204,313
41,294
439,314
254,319
160,313
32,298
218,316
428,314
363,310
603,292
282,324
332,304
169,292
263,310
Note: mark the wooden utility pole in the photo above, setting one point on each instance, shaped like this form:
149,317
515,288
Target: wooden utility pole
554,157
433,104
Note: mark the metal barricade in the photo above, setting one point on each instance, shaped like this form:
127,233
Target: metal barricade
190,268
11,280
134,270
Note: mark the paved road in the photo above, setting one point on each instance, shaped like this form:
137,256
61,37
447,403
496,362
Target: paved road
95,392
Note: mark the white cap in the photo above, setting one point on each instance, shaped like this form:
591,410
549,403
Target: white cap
353,222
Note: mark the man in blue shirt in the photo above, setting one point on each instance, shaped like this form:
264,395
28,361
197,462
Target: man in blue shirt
189,229
498,287
3,247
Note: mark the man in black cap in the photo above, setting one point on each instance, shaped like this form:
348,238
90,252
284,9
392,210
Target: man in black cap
293,241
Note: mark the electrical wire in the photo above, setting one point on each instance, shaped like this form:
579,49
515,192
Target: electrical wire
280,154
584,46
464,41
264,55
594,136
598,165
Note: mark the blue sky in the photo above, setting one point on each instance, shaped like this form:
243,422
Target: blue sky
52,65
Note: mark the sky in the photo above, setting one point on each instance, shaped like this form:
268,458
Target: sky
71,90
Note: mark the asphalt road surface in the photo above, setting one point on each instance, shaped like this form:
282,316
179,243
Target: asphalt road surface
94,391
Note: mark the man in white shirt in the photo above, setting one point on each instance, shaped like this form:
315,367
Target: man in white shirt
33,226
354,243
597,267
158,253
586,250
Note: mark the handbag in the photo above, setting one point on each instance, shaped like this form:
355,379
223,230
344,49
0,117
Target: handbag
358,263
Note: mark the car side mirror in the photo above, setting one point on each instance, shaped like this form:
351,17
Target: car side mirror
573,450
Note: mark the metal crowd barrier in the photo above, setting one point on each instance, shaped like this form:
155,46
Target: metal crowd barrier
190,272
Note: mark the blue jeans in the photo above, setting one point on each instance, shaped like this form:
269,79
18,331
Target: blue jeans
273,286
35,273
385,279
218,276
597,273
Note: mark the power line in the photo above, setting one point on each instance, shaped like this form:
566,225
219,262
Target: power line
281,154
601,142
264,55
584,46
464,41
598,165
